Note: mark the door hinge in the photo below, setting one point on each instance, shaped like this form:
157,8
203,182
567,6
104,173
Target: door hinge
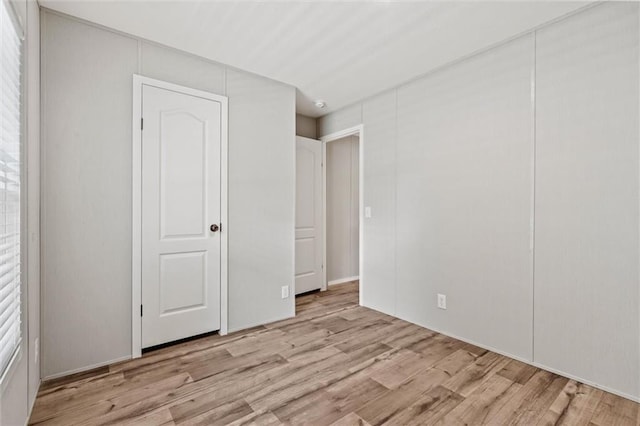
142,124
140,310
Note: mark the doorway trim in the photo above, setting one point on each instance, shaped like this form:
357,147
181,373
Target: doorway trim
136,203
355,130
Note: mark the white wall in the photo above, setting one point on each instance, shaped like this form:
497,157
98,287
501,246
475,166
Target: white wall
261,199
449,166
587,197
463,199
306,126
379,231
86,194
86,217
18,395
342,189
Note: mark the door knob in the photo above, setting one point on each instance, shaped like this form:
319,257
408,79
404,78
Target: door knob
214,228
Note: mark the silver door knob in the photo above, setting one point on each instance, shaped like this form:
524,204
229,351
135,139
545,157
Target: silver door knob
214,228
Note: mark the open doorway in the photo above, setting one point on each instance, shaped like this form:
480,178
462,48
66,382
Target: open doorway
352,146
329,211
342,209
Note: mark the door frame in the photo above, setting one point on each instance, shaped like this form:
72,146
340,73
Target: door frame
355,130
136,203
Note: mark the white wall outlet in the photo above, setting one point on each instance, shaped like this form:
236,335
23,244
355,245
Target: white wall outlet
36,350
285,291
367,212
442,301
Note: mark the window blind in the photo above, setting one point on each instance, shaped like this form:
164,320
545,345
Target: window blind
10,142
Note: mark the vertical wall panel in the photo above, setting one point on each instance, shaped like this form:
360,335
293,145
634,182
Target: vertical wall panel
587,304
379,254
464,170
261,199
86,210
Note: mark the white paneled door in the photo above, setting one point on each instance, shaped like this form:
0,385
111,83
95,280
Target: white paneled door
309,236
181,181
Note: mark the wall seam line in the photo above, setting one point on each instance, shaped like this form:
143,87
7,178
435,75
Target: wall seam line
533,195
395,204
638,17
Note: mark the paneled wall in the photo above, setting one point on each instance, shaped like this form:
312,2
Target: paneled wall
509,183
379,231
342,194
86,212
86,201
587,303
261,199
463,198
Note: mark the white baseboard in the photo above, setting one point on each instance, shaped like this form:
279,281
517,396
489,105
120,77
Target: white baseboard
343,280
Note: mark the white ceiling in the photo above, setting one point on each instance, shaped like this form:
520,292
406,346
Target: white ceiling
338,52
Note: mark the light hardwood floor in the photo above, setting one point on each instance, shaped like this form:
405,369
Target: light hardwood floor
334,363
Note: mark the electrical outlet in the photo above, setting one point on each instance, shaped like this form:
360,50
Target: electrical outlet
442,301
367,212
285,291
36,350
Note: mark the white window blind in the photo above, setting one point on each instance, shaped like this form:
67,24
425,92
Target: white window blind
10,127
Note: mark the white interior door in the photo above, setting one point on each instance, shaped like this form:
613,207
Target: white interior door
181,141
308,215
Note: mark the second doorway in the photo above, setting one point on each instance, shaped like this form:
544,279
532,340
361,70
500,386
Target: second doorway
342,209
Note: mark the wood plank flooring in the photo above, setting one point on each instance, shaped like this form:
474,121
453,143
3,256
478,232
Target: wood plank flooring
335,363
